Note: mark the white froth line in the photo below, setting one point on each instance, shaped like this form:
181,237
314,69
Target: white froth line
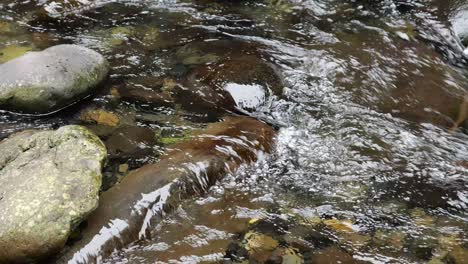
92,249
199,169
161,195
228,150
117,226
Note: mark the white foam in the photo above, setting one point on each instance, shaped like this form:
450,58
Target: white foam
246,96
92,249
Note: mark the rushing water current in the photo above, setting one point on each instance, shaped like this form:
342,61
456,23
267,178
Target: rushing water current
368,165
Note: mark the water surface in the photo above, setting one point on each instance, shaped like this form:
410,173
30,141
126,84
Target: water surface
367,168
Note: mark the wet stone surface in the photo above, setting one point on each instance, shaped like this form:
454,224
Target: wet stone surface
46,81
190,168
50,182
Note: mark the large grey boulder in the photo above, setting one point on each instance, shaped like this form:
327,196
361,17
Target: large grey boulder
49,182
45,81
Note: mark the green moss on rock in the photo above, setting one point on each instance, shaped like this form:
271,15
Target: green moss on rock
13,51
50,182
42,82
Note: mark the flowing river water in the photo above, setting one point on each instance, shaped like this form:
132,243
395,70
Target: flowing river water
367,166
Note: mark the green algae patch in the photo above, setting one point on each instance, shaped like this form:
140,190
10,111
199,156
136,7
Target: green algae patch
170,139
13,51
5,27
119,35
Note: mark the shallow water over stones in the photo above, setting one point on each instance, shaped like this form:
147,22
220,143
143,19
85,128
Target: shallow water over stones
129,208
368,166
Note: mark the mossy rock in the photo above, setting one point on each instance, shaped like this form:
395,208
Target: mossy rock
119,35
46,81
49,181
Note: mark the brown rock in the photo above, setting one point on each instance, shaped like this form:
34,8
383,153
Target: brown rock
131,141
126,210
100,117
333,254
147,89
203,89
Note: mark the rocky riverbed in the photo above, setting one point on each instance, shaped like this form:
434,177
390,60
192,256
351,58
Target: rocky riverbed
233,132
51,179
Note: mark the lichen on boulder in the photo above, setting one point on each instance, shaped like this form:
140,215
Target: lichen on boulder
49,182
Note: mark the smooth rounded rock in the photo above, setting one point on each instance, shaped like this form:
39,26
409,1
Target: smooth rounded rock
49,182
243,82
45,81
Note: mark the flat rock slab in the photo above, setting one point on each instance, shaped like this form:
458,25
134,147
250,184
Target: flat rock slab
48,80
49,182
128,209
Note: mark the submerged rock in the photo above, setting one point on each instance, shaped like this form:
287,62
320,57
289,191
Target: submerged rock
101,117
49,182
148,89
266,241
131,142
242,82
119,35
41,82
334,254
247,70
128,209
259,246
426,103
239,83
6,27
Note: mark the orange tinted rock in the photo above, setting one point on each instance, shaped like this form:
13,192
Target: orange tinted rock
101,117
207,83
126,210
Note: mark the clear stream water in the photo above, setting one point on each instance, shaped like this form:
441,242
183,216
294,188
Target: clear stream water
366,168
